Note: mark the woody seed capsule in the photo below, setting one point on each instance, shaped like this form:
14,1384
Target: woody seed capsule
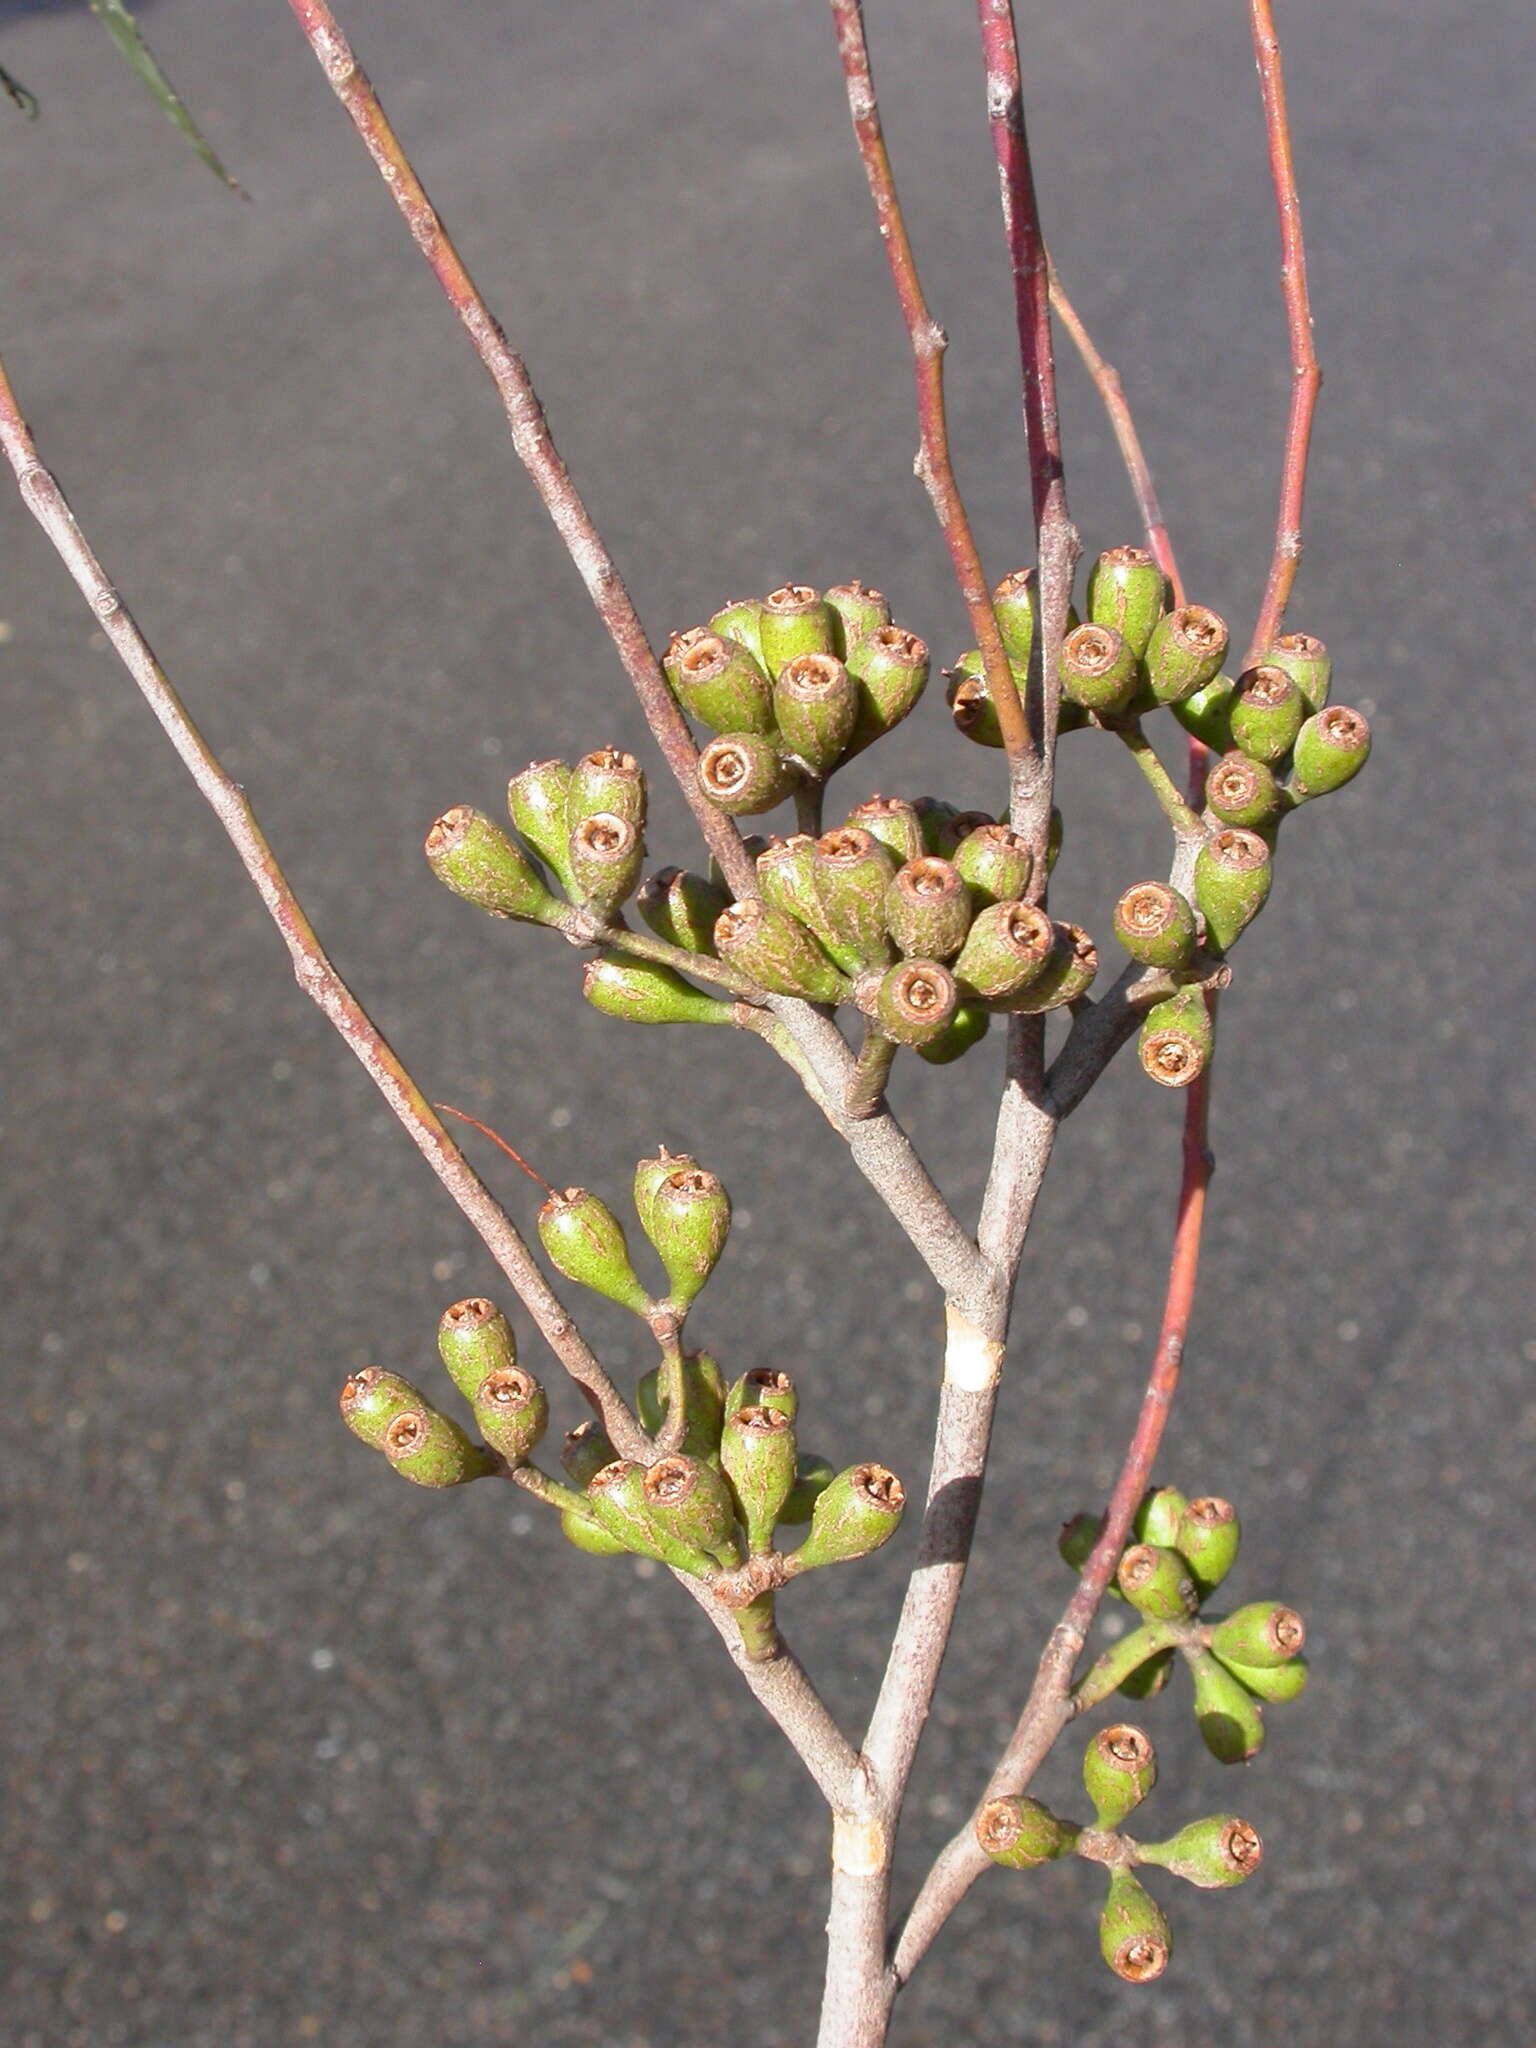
585,1240
890,667
1330,750
610,780
1015,605
1008,948
1266,714
916,1001
743,774
512,1410
1098,669
1232,876
681,908
1127,590
1155,925
892,821
1021,1834
536,802
853,873
795,621
1174,1043
815,703
779,954
786,876
721,685
1213,1853
1133,1931
1185,652
473,1339
1119,1770
1241,791
476,860
858,610
928,909
606,855
644,992
995,865
1305,660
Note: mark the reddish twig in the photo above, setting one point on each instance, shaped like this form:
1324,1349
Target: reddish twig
464,1117
1111,391
1049,1706
530,434
934,465
1306,377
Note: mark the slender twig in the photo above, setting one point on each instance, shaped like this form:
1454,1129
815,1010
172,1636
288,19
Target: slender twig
530,433
1049,1706
1107,383
934,465
1306,377
780,1686
1185,822
1057,541
880,1148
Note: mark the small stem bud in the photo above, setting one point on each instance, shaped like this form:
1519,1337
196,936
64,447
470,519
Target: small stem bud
1156,925
1119,1770
474,1338
474,858
1209,1853
1133,1931
1185,652
585,1241
1021,1834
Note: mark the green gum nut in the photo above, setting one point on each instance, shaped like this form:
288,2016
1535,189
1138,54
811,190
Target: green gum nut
370,1401
649,1175
1233,871
1175,1039
854,1514
1149,1679
857,610
718,682
1076,1540
1211,1853
1231,1725
1157,1583
681,908
779,954
590,1536
1067,975
691,1504
1098,669
1305,660
536,804
703,1404
971,1021
757,1452
474,1338
616,1496
890,666
935,820
1206,715
894,823
512,1412
1020,1833
431,1450
1331,749
1016,607
1127,590
606,855
763,1387
584,1453
473,857
1260,1635
853,873
742,621
971,707
743,774
607,779
1207,1539
688,1221
1156,925
916,1002
1159,1517
928,909
786,875
1133,1931
1283,1683
815,704
643,992
585,1241
679,645
796,621
1242,791
1266,714
1119,1770
813,1475
1185,652
995,865
1008,947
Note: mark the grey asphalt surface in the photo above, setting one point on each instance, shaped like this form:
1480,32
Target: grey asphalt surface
298,1754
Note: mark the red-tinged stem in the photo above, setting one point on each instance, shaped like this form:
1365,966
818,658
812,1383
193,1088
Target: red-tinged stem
1306,377
780,1686
1058,546
1106,380
530,434
1049,1706
934,465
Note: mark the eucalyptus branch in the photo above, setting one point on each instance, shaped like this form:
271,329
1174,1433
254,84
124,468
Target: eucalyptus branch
934,465
1107,383
1306,376
1050,1706
881,1150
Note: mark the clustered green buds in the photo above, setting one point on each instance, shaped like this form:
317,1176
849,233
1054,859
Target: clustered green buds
389,1415
1119,1770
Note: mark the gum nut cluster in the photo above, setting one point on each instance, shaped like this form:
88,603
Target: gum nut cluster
727,1472
1119,1770
1182,1551
1278,742
917,914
